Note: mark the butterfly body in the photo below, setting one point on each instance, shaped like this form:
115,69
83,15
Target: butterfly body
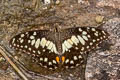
55,49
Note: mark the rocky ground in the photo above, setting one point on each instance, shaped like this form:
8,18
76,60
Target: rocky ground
21,15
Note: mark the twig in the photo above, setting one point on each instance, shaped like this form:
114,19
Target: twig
4,54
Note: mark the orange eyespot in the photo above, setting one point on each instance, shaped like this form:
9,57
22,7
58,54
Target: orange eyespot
57,59
63,59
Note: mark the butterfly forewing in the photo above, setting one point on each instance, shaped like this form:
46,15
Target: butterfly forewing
80,41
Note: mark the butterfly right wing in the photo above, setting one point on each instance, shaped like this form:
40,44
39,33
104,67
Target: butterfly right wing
77,42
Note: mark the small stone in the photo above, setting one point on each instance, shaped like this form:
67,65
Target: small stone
99,19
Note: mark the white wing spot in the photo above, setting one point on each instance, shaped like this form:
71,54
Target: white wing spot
82,52
49,63
91,43
76,48
41,59
101,37
67,44
43,42
54,62
88,47
67,60
80,57
98,39
40,64
33,55
21,41
75,40
94,40
26,33
39,52
82,48
71,62
50,68
44,50
28,53
81,40
45,66
16,48
20,38
75,58
29,49
47,1
13,40
84,32
68,50
45,59
85,37
70,41
47,43
14,44
81,61
88,28
34,33
80,30
21,46
26,46
22,35
96,31
66,67
77,64
32,37
37,55
29,41
88,36
33,42
103,32
54,48
93,29
96,34
64,48
72,67
18,45
55,67
37,43
50,46
33,51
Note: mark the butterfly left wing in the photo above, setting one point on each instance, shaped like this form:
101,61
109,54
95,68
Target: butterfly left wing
79,41
38,45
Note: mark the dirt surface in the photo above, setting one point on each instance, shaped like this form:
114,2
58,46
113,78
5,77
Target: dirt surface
22,15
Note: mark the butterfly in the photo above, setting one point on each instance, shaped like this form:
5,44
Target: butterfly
52,49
